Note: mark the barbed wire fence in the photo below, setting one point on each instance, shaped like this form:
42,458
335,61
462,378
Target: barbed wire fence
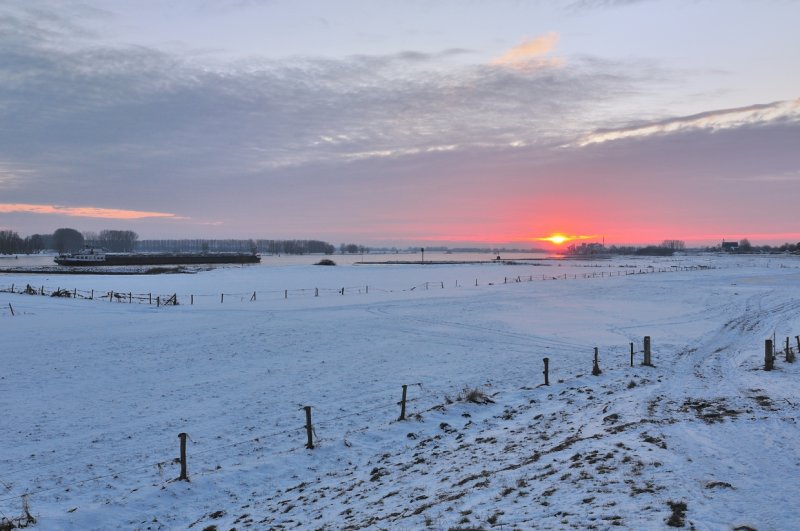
174,299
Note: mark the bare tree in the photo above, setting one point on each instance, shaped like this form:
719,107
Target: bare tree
675,245
67,240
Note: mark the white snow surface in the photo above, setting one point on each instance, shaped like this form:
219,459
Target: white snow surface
94,393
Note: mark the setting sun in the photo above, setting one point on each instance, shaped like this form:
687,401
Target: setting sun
558,238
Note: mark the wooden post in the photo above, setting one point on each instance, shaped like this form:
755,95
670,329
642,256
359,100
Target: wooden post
253,297
286,294
367,289
631,354
546,371
596,368
191,299
92,296
158,301
476,282
442,284
12,288
798,346
309,429
130,298
74,292
316,292
184,476
11,308
768,360
149,298
403,404
221,298
426,285
647,360
786,351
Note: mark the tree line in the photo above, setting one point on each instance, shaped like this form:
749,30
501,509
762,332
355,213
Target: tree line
12,243
237,246
67,240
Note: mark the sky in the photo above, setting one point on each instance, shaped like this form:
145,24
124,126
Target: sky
418,122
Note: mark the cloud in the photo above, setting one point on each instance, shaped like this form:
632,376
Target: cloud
82,212
711,120
107,118
531,53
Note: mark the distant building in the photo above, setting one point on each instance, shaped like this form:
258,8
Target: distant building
730,247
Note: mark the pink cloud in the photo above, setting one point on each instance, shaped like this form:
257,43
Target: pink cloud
83,212
531,52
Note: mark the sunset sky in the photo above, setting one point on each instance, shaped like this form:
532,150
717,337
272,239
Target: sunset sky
404,122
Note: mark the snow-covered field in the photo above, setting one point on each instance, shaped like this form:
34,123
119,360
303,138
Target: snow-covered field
94,393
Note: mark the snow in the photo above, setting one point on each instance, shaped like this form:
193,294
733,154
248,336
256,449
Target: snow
95,392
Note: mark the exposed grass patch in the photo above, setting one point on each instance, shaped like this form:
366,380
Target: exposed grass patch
678,515
474,395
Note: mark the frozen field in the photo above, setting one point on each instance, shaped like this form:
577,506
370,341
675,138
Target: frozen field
94,393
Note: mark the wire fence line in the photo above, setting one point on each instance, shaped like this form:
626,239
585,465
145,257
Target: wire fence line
172,299
429,399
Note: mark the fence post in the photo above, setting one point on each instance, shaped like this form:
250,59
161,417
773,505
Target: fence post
11,308
221,298
309,429
442,284
403,404
253,297
184,476
787,351
768,359
631,354
149,298
596,368
92,296
476,282
647,360
316,292
158,301
546,370
191,299
130,298
367,289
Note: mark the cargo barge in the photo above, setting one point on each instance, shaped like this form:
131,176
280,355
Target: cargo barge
96,257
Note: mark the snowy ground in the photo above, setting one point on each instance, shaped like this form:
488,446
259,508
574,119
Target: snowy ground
95,392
